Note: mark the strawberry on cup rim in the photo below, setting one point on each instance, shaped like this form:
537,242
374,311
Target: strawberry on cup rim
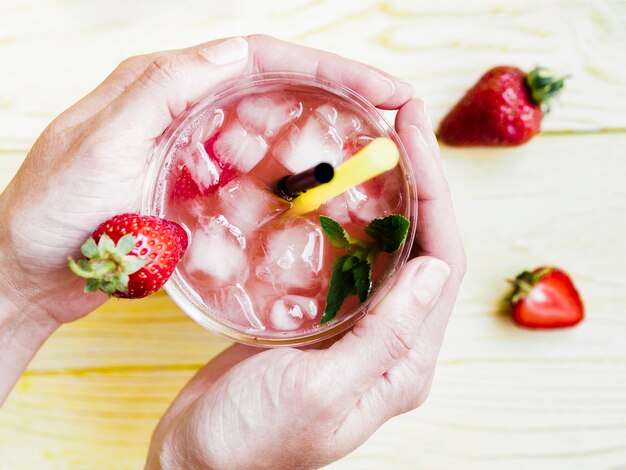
131,256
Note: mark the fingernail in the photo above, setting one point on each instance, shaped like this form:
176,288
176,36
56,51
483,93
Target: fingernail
427,114
388,83
429,280
226,52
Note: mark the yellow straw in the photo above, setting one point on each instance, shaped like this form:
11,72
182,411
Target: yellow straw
377,157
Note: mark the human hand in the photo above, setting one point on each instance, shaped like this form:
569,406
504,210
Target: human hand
89,164
293,409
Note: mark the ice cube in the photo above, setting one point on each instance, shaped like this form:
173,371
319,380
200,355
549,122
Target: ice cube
336,208
267,116
356,143
290,312
239,148
247,205
204,171
304,147
344,123
217,253
293,255
376,198
207,126
235,304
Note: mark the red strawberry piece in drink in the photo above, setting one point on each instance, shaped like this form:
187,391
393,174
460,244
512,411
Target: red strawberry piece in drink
130,255
200,173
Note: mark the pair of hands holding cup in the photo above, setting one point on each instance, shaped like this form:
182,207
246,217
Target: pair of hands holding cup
247,408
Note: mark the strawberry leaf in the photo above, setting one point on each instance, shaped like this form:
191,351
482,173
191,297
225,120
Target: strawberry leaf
126,244
105,245
92,285
89,248
131,264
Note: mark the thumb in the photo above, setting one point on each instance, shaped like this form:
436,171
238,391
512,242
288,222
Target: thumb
387,334
172,82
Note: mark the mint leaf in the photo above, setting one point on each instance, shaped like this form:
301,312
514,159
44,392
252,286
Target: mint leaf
362,280
341,287
352,272
336,234
350,263
390,232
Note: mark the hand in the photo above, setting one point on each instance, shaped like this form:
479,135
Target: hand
292,409
89,164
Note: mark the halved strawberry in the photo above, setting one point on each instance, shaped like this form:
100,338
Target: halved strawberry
545,298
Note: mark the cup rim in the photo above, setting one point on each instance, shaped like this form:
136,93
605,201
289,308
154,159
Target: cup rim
182,294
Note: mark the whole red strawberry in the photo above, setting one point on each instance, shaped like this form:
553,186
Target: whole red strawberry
545,298
131,256
504,108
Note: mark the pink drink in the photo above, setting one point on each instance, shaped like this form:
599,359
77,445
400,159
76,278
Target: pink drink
250,270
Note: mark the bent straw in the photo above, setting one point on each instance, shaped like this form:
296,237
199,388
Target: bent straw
377,157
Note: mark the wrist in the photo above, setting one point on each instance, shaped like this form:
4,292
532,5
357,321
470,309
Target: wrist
23,330
24,327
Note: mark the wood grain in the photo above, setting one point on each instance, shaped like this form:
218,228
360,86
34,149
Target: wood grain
503,397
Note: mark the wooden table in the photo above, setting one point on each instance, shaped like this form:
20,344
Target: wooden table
503,397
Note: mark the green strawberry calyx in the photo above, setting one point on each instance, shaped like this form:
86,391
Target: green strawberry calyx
544,86
524,282
108,265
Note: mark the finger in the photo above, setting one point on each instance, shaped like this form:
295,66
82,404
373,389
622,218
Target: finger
110,88
416,113
172,82
437,230
117,82
382,338
203,379
383,90
403,388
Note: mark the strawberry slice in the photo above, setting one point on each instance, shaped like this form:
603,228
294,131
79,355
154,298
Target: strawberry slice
545,298
200,173
185,187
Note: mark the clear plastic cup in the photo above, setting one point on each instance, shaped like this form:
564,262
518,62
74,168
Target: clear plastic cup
202,122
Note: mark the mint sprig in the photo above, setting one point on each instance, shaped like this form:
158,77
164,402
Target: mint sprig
352,272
